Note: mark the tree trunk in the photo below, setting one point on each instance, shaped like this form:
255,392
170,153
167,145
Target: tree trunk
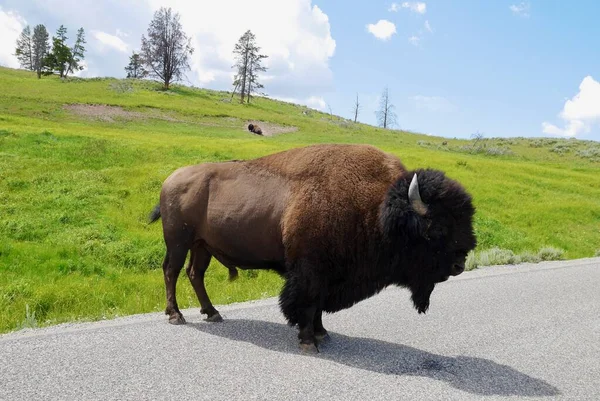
245,75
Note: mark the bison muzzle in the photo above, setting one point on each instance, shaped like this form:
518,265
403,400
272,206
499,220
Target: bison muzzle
338,222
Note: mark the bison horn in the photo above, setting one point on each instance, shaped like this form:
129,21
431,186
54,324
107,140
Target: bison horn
414,197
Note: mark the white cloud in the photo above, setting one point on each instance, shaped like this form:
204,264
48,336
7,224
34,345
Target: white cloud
314,102
87,72
298,42
383,29
415,6
433,103
110,41
428,27
579,113
121,34
394,7
521,9
11,25
414,40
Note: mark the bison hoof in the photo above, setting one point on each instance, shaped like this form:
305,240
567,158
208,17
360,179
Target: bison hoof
309,348
177,319
422,309
214,318
322,336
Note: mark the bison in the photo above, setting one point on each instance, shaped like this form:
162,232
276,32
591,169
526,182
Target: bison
338,222
255,129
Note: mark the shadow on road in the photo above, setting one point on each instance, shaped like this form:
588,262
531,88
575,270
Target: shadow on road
474,375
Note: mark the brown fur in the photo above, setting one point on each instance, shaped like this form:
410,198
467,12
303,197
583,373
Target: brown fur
323,216
255,129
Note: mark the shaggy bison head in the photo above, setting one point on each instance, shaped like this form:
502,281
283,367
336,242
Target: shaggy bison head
428,219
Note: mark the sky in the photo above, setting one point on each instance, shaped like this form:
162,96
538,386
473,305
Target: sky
452,68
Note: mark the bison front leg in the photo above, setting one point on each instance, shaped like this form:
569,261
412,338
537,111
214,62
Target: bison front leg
306,334
320,332
299,306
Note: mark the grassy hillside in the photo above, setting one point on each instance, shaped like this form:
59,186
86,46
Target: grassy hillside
77,183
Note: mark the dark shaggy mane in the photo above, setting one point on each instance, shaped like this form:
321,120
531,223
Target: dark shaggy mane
396,247
442,195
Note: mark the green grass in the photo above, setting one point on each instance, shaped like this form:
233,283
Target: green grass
75,191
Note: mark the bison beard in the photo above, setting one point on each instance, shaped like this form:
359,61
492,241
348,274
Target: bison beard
339,222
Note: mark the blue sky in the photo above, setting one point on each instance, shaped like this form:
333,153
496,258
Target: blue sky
503,68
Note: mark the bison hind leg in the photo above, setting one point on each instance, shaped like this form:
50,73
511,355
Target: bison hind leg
174,261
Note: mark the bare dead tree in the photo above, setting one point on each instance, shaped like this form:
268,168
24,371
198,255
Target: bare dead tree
356,108
386,117
166,51
478,138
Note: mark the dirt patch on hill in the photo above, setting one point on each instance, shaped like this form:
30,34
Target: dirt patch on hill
270,129
112,114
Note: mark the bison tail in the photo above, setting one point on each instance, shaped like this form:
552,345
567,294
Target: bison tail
155,214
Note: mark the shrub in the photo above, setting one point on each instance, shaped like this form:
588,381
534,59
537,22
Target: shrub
530,257
550,253
561,148
498,151
589,153
538,143
498,256
121,87
30,322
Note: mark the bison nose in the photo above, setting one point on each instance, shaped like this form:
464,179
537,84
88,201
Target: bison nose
457,268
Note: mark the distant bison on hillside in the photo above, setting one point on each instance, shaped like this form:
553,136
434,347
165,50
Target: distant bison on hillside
338,222
255,129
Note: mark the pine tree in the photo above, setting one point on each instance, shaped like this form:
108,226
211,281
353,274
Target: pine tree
24,49
60,56
255,68
40,48
248,63
77,53
135,68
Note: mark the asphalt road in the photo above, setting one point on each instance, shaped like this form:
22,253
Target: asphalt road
495,333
